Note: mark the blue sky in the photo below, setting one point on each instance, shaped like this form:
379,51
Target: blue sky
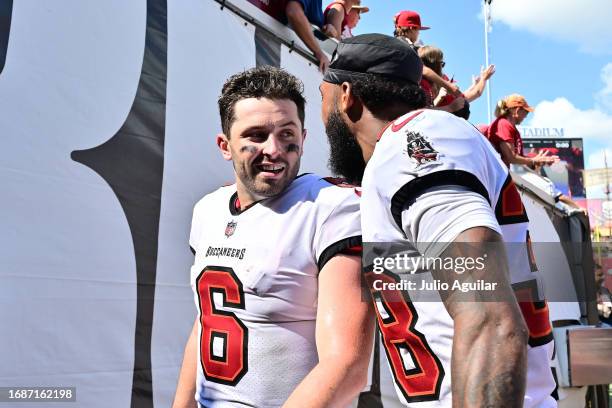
557,54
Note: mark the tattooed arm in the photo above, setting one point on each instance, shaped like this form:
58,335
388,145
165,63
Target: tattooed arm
488,361
489,356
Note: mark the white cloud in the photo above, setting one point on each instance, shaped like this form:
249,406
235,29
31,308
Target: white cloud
593,124
561,113
584,22
604,97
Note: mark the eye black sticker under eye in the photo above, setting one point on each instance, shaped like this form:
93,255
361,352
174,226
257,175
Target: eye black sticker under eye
292,147
249,149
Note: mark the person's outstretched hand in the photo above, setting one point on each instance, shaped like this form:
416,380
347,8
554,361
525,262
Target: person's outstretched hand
543,159
487,73
484,75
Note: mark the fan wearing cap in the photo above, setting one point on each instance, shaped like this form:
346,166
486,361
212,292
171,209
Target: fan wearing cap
341,17
408,27
430,181
505,137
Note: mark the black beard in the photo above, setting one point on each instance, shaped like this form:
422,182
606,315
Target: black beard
345,155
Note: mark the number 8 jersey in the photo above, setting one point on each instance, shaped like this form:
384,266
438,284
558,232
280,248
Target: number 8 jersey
255,285
431,177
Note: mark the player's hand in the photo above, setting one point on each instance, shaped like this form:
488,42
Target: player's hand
323,61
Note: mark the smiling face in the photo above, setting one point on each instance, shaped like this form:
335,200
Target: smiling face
265,146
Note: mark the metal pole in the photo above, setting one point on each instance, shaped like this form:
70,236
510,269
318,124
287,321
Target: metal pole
607,192
487,19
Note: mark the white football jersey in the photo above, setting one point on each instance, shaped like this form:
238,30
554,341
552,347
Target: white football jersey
431,162
255,285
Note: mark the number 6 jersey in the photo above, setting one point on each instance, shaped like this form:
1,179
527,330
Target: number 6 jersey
432,176
255,285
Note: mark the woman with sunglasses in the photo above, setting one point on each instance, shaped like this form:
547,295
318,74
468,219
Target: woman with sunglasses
439,97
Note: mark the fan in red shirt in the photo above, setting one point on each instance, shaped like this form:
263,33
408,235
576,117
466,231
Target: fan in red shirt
505,137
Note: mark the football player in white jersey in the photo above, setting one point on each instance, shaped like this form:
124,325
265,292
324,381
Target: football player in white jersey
277,272
430,182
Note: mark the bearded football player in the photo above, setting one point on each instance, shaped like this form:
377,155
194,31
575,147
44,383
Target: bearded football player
277,270
430,182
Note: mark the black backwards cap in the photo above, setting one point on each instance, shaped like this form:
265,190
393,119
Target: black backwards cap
376,54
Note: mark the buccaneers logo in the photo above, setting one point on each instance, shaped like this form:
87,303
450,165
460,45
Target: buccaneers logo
419,149
230,228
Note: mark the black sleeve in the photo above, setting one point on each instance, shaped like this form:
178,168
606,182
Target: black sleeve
350,246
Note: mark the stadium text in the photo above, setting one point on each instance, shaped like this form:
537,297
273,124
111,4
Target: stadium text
541,132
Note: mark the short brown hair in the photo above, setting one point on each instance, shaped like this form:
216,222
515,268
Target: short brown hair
261,82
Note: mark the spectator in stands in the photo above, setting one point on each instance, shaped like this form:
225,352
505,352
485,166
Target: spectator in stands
439,97
408,27
505,137
341,17
301,14
353,18
432,58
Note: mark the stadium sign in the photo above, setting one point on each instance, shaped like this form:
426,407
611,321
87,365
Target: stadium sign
528,131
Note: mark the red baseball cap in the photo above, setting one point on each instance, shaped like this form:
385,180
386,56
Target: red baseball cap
409,19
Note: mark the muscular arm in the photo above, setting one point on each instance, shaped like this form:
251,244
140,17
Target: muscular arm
345,327
301,25
488,361
186,387
489,356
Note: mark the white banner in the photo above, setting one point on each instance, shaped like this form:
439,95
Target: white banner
108,122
